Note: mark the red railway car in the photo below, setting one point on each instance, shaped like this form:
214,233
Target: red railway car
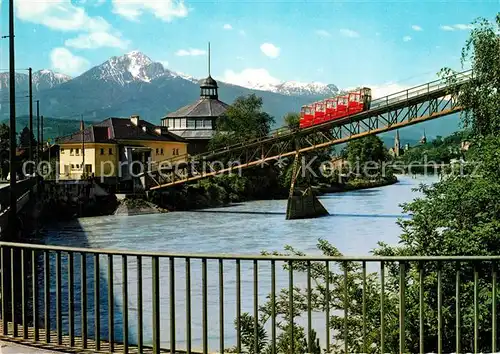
334,108
306,116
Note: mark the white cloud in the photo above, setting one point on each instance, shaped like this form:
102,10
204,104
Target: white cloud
59,15
97,40
447,28
64,61
458,26
349,33
323,33
417,28
270,50
406,38
386,89
258,78
166,10
227,26
190,52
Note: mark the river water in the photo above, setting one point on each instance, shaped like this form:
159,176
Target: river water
358,220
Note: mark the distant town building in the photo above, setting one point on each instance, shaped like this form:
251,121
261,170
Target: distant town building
423,140
107,150
197,122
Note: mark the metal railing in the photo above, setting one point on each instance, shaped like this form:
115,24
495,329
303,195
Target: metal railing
111,300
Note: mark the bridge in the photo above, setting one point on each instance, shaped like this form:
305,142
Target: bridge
24,191
412,106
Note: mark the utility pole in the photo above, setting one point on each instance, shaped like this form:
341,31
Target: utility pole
41,134
37,132
12,152
30,93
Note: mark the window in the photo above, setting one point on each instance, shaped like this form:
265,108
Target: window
111,151
191,123
207,123
72,166
77,152
102,151
157,151
175,152
77,166
62,151
71,152
162,151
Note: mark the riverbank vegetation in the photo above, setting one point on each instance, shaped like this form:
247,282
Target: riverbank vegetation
459,215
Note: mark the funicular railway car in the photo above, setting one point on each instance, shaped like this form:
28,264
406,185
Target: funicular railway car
334,108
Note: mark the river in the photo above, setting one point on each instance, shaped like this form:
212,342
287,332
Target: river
358,220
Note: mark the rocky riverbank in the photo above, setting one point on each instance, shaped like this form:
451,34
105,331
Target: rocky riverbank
137,206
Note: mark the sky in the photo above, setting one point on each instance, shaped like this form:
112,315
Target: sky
386,44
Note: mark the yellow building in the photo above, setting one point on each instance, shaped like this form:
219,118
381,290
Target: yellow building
116,150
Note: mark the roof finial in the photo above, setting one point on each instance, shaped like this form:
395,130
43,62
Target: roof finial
208,58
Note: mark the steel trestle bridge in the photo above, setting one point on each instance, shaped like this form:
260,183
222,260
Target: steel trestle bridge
412,106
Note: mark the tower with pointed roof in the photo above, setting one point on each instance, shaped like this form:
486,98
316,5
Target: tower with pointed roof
423,140
197,122
397,145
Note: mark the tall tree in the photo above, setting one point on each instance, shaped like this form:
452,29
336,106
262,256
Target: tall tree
481,94
24,138
292,120
244,120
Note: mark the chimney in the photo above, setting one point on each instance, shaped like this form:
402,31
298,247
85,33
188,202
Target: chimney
161,130
134,120
109,133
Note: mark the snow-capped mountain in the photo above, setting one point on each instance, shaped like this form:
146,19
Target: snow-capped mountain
42,79
294,88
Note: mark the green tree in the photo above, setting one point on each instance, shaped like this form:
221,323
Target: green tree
24,138
244,120
292,120
365,153
480,94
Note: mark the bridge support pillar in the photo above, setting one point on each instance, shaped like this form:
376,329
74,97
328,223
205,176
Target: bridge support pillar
305,206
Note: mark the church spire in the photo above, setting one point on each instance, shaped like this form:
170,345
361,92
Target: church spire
397,144
424,138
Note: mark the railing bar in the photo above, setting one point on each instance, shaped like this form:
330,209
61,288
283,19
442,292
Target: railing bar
47,295
476,309
402,319
71,300
309,305
13,292
221,304
24,298
238,306
140,318
273,307
156,304
421,307
111,312
290,305
205,304
382,307
458,316
365,349
5,321
439,309
97,301
172,304
34,275
125,303
494,308
346,310
58,299
255,305
188,305
327,300
83,309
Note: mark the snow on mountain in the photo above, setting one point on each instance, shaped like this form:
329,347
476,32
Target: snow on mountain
42,79
294,88
131,67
